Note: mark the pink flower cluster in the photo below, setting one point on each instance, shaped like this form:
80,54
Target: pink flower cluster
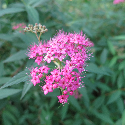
67,74
19,27
118,1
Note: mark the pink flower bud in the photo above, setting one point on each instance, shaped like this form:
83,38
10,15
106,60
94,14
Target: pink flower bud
71,92
65,92
55,86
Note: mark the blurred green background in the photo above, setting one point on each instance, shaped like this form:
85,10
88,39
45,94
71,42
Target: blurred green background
103,97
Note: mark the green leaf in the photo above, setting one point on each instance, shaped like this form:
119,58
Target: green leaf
88,83
4,80
122,65
1,69
113,61
17,56
120,80
3,103
35,3
31,2
105,110
39,2
123,117
74,102
111,47
8,92
103,56
114,96
88,121
20,77
98,102
103,86
33,15
46,116
26,88
16,5
7,37
120,104
8,116
13,110
20,45
124,72
118,122
93,68
103,117
27,38
121,37
53,101
77,120
85,96
64,110
10,11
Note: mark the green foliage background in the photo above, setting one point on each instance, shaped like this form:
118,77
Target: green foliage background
103,97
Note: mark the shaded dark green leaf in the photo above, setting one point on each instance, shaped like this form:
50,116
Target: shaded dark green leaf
122,65
64,110
103,56
17,56
74,102
114,96
85,96
8,92
120,80
98,102
103,117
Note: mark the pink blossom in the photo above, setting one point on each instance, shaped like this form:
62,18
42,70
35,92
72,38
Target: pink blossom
63,98
47,88
118,1
39,59
35,80
55,73
55,86
49,79
44,69
32,51
48,58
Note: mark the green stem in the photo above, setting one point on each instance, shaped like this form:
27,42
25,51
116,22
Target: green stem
37,37
40,36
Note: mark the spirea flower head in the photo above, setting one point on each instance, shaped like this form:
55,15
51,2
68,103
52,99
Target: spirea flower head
118,1
73,46
19,27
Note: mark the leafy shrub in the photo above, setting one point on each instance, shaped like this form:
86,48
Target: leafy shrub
102,99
